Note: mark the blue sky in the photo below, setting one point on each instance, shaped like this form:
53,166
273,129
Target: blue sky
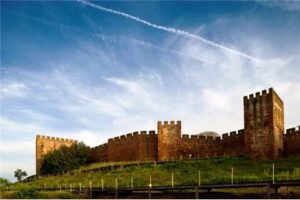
72,69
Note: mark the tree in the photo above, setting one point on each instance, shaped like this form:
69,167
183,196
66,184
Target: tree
19,173
65,159
3,182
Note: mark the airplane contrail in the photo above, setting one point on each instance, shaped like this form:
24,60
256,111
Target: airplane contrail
169,29
121,39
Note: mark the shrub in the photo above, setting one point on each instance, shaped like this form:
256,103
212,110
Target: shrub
26,192
66,159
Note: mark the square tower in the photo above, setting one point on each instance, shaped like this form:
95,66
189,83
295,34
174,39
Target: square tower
264,125
46,144
168,140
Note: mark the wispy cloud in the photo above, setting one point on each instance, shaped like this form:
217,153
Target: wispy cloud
170,30
289,5
12,89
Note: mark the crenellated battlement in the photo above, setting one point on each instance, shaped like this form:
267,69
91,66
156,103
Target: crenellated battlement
197,138
99,146
292,141
50,138
133,135
257,95
168,123
233,134
292,131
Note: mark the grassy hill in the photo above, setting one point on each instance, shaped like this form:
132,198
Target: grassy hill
185,172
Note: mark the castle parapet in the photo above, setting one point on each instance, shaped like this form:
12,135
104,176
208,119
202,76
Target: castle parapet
292,131
264,93
225,135
185,136
51,138
194,137
258,95
166,123
233,133
292,141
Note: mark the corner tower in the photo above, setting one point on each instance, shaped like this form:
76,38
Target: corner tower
264,125
46,144
168,140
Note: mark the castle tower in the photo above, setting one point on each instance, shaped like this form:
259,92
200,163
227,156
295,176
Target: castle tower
168,140
46,144
264,125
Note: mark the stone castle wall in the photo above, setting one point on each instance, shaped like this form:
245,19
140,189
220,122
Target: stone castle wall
144,146
262,137
46,144
100,153
138,146
292,141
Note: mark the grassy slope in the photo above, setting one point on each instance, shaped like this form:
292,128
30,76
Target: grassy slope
185,173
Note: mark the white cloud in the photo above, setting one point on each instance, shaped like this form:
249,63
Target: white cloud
23,147
13,89
18,129
289,5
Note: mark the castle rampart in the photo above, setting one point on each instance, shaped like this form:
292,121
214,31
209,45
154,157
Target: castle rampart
136,146
292,141
233,143
262,137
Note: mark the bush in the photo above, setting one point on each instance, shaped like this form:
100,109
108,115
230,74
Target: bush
26,192
57,195
4,182
65,159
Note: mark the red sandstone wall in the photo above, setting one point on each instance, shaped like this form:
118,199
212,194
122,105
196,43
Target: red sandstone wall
99,153
292,141
147,146
199,146
233,143
133,147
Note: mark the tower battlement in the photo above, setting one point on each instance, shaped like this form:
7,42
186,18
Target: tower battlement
168,123
58,139
259,94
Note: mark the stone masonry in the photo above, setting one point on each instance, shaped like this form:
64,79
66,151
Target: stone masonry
262,138
264,125
46,144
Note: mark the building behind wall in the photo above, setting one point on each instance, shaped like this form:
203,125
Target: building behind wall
262,137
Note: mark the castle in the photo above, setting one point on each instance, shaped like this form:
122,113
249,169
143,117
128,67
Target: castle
262,138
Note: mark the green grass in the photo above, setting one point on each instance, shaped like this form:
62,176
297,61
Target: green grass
30,192
213,171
